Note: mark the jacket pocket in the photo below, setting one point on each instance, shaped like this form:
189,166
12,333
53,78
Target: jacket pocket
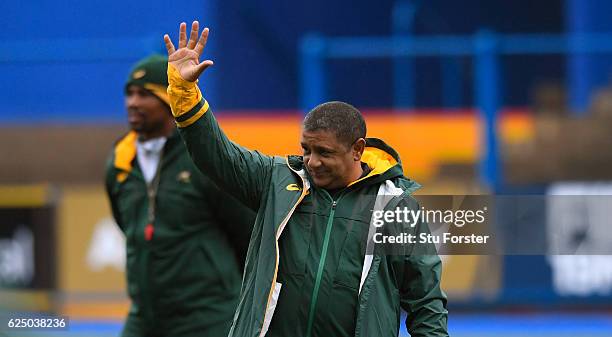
350,265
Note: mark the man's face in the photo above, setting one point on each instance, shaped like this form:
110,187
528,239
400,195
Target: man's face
329,162
146,113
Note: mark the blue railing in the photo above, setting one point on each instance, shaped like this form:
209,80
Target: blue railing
485,47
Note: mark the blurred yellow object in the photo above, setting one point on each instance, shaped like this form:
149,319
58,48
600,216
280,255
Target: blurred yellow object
106,309
26,300
25,195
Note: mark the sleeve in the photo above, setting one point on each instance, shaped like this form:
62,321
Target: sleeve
109,183
420,293
241,172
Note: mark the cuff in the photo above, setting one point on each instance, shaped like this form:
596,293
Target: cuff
186,99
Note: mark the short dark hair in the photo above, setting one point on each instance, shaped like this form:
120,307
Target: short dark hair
343,119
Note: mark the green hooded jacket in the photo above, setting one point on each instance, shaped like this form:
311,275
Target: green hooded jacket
185,279
280,189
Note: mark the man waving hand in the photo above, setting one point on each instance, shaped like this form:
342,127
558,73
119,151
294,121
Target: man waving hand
311,269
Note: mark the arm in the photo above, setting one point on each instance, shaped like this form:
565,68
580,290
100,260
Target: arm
420,293
242,172
109,182
422,298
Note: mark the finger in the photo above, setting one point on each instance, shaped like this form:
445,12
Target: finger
202,66
169,45
182,35
193,36
199,48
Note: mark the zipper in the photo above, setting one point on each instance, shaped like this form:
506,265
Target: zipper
152,189
147,231
319,276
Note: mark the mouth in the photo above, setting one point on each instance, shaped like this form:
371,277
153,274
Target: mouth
317,174
135,117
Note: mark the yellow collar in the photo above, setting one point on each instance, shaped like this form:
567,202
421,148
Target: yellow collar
377,160
125,151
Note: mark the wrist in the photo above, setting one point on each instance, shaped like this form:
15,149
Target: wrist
184,95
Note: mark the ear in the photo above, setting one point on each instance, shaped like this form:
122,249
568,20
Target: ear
358,147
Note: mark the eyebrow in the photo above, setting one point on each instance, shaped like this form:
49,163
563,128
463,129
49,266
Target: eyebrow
136,89
318,148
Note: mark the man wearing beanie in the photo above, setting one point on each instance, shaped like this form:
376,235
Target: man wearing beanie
184,264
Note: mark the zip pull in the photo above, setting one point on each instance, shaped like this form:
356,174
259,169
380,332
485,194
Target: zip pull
148,231
334,203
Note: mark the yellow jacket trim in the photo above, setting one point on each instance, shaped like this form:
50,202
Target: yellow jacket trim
195,117
183,95
378,160
125,151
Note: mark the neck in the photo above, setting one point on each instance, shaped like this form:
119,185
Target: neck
165,131
356,174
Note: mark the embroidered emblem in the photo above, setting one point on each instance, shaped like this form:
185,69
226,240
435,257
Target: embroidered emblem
184,177
293,187
139,74
121,176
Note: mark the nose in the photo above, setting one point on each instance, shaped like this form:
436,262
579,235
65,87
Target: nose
313,161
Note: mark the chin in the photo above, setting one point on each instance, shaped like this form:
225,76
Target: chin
328,184
321,183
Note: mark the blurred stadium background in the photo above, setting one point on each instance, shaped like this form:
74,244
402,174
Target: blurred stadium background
506,97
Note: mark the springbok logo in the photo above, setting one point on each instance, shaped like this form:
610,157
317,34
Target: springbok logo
293,187
296,187
139,74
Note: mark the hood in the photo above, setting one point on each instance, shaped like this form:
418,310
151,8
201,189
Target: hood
382,159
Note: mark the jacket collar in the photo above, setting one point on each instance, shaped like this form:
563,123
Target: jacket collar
125,149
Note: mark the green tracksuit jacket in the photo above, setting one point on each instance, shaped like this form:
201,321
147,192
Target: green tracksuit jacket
185,280
281,191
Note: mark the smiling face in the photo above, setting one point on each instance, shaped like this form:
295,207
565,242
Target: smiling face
147,114
331,164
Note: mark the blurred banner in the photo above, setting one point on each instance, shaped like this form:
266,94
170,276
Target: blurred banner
28,246
60,251
92,255
583,225
92,251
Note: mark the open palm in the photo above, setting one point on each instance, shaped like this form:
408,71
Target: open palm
186,59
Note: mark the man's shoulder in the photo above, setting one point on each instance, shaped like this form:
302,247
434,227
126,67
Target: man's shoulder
407,184
287,163
296,161
120,157
408,187
123,145
286,170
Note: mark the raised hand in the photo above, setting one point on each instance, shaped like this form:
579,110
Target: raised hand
186,59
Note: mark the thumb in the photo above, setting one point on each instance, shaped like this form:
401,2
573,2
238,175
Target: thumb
202,66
